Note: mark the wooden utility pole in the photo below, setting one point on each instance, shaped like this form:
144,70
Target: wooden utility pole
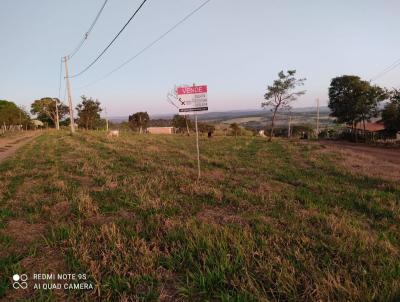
289,126
105,110
71,109
57,116
317,118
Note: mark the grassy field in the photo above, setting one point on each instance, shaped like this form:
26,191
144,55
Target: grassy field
278,221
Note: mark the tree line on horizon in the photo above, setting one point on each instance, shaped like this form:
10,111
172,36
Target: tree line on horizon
351,101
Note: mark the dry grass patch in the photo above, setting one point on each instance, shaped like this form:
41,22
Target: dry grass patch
59,210
114,260
86,206
218,215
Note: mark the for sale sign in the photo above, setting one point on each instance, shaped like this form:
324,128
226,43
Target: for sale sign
192,99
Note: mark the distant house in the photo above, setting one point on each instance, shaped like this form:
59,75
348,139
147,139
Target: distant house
374,127
160,130
373,130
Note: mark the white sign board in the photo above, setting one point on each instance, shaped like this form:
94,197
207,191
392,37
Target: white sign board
192,99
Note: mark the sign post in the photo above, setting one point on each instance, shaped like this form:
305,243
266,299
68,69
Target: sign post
193,100
197,146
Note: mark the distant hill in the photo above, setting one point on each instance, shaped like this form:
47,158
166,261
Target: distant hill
226,115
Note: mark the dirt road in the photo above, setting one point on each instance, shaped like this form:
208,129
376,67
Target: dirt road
367,160
8,146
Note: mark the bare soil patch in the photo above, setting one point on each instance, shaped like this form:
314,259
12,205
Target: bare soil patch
23,232
8,146
366,160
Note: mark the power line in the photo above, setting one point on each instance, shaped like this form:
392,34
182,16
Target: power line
394,65
149,45
78,47
112,41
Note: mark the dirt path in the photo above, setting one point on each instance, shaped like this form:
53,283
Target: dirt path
8,146
367,160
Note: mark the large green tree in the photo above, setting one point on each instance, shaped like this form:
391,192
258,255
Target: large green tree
11,114
353,100
45,110
281,94
391,112
88,113
139,120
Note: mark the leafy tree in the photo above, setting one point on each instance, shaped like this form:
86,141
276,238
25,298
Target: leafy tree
45,110
391,113
139,120
11,114
88,113
281,94
235,128
353,100
182,123
368,105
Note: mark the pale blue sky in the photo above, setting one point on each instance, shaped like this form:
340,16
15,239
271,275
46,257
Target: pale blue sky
236,47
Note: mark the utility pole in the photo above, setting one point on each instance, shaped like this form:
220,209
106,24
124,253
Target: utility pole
105,110
71,110
317,118
57,116
289,126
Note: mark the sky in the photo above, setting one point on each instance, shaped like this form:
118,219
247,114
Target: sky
235,47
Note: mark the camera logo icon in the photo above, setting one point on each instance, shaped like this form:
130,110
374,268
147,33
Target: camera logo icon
20,281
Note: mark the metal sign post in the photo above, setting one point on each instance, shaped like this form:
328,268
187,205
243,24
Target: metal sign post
193,100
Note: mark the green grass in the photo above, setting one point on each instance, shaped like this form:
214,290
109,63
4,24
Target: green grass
276,221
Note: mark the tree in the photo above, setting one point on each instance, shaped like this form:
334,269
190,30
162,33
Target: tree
139,120
88,113
235,128
11,114
45,110
368,105
391,113
352,100
182,123
281,94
